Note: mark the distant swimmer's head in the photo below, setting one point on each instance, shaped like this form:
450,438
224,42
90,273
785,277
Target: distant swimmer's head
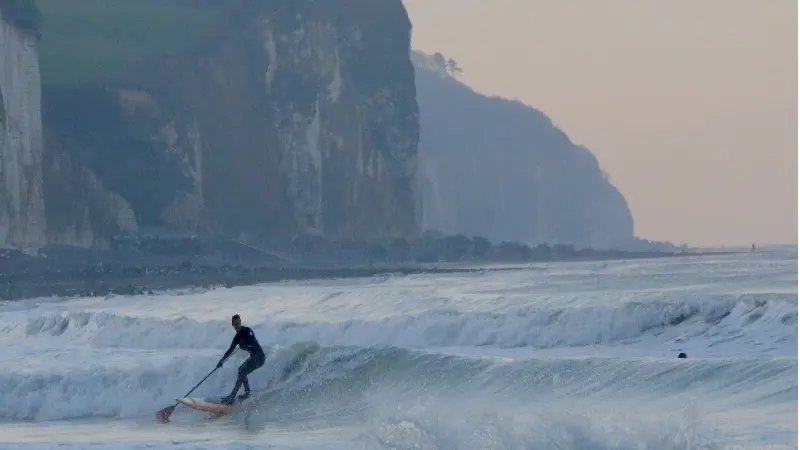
236,321
681,355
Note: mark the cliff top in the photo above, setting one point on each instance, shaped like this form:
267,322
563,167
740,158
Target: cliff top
96,40
22,14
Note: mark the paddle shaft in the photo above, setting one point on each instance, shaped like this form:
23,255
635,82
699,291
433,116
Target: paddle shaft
201,381
198,384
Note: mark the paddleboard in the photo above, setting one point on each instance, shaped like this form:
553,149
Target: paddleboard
206,404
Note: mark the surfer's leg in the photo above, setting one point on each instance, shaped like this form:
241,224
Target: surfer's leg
244,369
246,384
229,399
241,378
252,363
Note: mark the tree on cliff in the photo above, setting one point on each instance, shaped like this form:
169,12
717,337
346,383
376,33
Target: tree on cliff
438,63
453,68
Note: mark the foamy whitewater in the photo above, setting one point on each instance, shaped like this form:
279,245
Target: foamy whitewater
549,356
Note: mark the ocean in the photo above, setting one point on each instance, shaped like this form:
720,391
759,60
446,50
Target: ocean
571,355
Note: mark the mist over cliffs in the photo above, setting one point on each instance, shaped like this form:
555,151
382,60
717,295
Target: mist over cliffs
500,169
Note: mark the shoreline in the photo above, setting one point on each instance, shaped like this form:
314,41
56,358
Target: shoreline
24,277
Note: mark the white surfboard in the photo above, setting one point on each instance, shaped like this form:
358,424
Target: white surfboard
206,404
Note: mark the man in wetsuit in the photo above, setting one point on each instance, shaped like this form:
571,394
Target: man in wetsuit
246,340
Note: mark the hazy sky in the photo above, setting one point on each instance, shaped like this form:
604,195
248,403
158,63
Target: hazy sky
689,105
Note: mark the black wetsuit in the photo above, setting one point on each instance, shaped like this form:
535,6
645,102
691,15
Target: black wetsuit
246,340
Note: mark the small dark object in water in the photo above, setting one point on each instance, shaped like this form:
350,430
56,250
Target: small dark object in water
681,355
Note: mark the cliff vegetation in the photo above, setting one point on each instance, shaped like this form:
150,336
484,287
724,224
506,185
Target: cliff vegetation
92,41
22,14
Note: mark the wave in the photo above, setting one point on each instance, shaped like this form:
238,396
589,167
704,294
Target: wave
768,319
308,382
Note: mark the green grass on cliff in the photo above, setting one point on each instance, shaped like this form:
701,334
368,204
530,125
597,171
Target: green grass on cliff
22,14
87,41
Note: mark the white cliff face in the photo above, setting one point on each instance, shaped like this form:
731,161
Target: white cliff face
306,141
78,227
187,207
22,215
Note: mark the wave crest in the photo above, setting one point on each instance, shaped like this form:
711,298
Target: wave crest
770,317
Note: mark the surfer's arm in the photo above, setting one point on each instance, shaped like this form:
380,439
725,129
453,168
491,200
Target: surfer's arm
230,350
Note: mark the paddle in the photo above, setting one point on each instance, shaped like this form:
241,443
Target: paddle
163,414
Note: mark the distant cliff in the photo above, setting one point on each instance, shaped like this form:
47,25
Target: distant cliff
22,218
500,169
257,119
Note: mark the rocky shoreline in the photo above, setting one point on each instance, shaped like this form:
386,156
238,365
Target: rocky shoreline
65,272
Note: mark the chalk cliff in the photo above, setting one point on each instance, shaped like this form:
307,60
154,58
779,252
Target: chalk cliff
22,217
279,118
498,168
263,119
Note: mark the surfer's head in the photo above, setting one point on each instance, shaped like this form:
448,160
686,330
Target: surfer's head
681,355
236,321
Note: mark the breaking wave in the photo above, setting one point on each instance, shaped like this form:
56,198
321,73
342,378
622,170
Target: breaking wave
304,381
723,318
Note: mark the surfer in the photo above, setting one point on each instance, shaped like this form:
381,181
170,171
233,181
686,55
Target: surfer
246,340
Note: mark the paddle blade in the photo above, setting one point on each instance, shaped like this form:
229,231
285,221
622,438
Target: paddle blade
162,416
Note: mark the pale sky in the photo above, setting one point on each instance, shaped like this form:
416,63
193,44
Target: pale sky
689,105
